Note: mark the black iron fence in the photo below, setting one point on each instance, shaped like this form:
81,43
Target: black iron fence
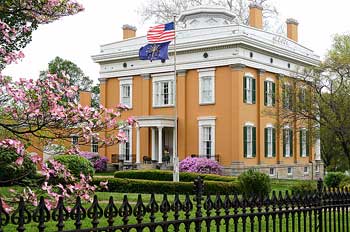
322,210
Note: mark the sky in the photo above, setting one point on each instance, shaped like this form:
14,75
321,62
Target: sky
78,37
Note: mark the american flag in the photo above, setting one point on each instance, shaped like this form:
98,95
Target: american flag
161,33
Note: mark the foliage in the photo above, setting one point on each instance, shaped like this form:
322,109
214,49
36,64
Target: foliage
304,187
11,172
99,163
162,175
200,165
333,179
147,186
95,96
254,183
62,67
160,11
76,164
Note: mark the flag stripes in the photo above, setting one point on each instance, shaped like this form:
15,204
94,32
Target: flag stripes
161,33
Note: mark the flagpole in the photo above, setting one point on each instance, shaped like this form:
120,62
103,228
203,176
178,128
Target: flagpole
176,157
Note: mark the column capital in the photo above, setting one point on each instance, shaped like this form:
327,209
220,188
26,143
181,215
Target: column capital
262,71
102,80
181,73
146,76
237,66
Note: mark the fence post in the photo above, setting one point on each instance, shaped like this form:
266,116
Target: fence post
198,190
320,204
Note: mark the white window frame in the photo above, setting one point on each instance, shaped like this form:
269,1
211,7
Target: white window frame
287,144
291,171
158,80
307,170
73,138
249,127
122,147
94,145
205,122
125,82
273,171
204,75
269,141
249,87
303,142
269,91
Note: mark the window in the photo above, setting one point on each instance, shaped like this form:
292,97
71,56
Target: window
269,93
317,168
207,137
304,142
126,91
75,140
302,95
249,89
289,171
125,149
206,86
94,145
270,142
287,96
306,170
272,171
249,134
163,90
287,142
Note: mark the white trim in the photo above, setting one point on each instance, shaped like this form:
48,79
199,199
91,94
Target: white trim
162,76
129,128
291,171
206,73
206,122
126,79
248,74
249,124
94,144
269,79
286,127
269,125
303,152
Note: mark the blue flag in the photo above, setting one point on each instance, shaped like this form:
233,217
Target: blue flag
157,51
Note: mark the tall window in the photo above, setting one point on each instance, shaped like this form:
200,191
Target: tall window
94,145
287,142
304,142
269,93
126,91
206,86
287,96
75,140
249,141
125,149
163,93
207,137
249,89
270,142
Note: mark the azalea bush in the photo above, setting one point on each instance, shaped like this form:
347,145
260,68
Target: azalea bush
200,165
99,163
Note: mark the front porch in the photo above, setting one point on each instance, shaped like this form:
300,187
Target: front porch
161,144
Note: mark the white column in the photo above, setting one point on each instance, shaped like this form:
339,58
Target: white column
318,149
154,143
138,145
160,144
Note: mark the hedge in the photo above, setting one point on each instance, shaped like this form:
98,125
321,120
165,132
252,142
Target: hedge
160,175
158,187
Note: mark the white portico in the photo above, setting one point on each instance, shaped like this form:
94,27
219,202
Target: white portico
163,136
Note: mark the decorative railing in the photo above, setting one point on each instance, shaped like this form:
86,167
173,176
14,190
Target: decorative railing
321,210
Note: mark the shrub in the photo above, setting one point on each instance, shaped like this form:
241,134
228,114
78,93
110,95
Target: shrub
11,173
161,175
254,183
333,179
147,186
99,163
345,182
304,187
200,165
76,164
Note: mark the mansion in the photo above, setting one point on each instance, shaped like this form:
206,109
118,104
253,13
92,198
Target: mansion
228,77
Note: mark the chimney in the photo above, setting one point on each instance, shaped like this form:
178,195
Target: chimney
255,15
292,29
129,31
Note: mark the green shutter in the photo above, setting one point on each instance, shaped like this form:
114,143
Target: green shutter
273,93
265,93
245,144
273,142
266,150
254,90
244,89
284,142
301,142
254,141
307,142
291,142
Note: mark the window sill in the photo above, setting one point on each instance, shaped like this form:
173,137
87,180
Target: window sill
249,157
249,103
165,106
207,103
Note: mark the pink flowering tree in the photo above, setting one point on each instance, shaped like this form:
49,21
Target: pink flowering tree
47,110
